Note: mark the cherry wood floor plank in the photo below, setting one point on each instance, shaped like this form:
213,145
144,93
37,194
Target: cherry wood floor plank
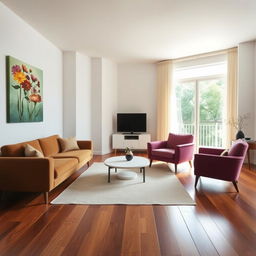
96,236
246,224
6,228
16,246
200,237
167,240
65,232
181,232
149,239
202,223
81,232
132,231
41,240
112,243
236,239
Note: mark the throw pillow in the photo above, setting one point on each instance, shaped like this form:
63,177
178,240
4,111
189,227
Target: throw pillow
68,144
32,152
224,153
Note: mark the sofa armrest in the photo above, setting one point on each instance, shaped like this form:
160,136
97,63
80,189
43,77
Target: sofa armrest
211,151
155,145
85,144
219,167
184,152
26,174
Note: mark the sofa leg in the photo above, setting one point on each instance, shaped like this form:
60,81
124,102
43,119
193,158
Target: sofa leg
196,181
88,163
150,163
190,163
46,197
235,185
175,168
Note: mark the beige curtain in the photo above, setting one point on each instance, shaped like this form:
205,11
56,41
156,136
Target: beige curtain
164,87
232,102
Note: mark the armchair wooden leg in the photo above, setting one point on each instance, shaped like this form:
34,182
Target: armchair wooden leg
235,185
46,197
190,163
88,163
175,168
196,181
150,163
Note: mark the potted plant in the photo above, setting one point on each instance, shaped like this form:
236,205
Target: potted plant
128,154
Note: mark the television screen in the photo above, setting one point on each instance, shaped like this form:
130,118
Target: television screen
131,122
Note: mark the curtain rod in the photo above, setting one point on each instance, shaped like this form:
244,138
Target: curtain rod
198,56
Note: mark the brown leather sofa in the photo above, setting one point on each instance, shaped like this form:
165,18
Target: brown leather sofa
34,174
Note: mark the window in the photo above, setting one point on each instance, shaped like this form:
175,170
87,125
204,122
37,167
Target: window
200,95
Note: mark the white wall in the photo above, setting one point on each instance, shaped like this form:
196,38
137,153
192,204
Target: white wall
247,88
137,92
21,41
109,103
83,97
69,94
104,102
96,92
77,95
246,85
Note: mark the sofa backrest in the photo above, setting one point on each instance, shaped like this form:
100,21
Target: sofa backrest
239,148
50,145
178,139
17,150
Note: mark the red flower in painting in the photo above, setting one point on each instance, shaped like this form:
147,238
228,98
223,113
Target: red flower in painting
34,79
24,68
38,84
16,69
28,77
35,98
26,85
34,90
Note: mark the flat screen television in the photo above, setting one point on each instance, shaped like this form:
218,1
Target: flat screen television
131,122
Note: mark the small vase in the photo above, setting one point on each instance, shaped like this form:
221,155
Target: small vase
129,157
239,135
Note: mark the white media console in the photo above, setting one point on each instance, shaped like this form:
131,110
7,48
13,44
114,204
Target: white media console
133,141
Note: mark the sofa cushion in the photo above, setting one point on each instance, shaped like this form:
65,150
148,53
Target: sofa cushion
63,165
32,152
16,150
164,152
178,139
68,144
80,155
50,145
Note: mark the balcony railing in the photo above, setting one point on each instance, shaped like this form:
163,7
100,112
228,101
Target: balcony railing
210,134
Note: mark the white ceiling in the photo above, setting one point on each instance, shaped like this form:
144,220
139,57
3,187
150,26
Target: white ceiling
140,30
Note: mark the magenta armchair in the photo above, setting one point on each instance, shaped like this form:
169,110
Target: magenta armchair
209,163
177,149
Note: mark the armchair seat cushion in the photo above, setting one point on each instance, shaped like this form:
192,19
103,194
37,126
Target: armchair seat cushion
63,165
164,152
80,154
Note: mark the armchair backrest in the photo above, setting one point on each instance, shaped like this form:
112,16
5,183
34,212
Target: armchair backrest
239,148
179,139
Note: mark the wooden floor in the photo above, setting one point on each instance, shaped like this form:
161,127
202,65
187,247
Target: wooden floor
222,223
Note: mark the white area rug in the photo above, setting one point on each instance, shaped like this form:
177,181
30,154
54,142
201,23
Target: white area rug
91,187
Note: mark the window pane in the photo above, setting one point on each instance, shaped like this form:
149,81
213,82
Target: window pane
211,107
185,100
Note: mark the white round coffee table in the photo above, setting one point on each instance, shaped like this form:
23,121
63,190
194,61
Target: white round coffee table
120,162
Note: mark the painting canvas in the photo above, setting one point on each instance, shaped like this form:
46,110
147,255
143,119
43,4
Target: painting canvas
24,92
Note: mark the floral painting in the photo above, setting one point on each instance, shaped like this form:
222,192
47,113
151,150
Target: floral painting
24,92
